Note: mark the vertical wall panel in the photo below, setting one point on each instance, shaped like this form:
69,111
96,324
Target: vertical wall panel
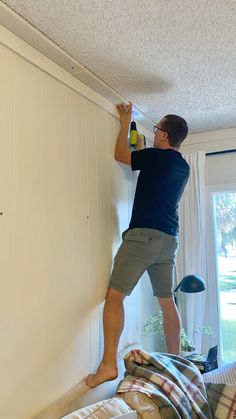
80,285
122,187
104,227
6,227
119,175
61,304
28,238
94,190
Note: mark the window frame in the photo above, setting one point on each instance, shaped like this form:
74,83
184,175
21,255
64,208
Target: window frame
213,296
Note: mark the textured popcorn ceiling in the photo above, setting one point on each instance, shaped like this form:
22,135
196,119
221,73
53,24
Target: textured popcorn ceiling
167,56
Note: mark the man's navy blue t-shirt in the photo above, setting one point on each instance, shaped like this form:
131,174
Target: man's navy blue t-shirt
161,181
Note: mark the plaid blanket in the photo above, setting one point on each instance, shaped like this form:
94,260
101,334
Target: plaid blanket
222,399
173,382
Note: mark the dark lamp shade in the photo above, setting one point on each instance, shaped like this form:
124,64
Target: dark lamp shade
191,283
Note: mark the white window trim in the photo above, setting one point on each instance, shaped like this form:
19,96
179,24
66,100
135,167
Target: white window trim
213,306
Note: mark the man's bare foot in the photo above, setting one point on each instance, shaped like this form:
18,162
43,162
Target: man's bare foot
105,372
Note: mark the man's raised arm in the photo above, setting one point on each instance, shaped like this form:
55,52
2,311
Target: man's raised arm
122,152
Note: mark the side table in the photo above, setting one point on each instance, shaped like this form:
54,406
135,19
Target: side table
205,363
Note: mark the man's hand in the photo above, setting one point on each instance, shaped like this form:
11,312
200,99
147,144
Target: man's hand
140,143
125,112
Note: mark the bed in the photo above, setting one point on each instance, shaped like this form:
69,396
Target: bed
158,385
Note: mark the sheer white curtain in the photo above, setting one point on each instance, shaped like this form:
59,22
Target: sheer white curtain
191,257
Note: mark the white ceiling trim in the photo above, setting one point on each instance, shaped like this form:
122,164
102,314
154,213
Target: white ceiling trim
24,30
210,141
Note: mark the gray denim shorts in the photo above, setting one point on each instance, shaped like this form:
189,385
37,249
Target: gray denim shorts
145,249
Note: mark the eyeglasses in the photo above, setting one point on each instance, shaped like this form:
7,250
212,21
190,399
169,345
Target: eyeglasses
155,128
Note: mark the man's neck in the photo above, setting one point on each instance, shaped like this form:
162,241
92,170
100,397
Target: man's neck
168,147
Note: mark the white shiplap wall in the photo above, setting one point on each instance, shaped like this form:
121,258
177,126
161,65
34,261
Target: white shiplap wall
65,201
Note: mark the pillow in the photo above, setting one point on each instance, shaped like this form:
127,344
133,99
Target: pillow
224,375
144,405
106,409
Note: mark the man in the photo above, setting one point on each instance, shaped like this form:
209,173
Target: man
151,241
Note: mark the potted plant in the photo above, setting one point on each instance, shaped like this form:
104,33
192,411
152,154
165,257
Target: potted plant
154,324
186,345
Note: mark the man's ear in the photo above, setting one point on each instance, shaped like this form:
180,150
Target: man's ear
164,137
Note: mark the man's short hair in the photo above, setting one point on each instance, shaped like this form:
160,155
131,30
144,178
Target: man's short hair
177,129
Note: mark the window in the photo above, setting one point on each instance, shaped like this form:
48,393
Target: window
223,204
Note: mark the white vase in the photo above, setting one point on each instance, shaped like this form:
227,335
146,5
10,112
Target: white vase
187,353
